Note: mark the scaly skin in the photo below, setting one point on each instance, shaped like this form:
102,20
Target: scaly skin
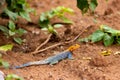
54,59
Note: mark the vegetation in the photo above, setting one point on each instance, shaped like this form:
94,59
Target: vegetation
11,31
16,8
3,63
3,50
13,77
45,18
87,5
7,47
106,34
13,9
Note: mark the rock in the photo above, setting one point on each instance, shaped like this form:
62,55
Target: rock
1,75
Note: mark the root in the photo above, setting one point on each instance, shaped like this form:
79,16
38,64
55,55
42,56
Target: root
39,51
58,44
45,42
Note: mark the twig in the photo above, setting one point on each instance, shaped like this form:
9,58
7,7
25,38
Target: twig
62,43
35,52
45,42
80,33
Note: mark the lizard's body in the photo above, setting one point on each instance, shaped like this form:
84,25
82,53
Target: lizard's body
53,59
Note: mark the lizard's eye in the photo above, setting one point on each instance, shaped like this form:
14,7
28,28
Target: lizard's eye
71,49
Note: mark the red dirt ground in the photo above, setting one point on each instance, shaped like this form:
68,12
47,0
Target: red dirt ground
98,68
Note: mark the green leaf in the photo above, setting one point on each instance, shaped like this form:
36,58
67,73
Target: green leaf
21,31
97,36
62,10
4,29
11,33
5,64
44,24
51,29
43,17
13,77
19,7
50,14
25,15
108,29
18,40
108,40
31,10
93,4
6,47
58,25
83,5
21,1
84,40
11,26
66,20
11,14
44,29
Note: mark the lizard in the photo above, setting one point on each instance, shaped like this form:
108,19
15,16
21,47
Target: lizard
53,59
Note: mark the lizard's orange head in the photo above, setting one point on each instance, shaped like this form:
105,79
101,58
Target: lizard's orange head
74,47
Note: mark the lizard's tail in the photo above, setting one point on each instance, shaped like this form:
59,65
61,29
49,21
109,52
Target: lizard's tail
31,64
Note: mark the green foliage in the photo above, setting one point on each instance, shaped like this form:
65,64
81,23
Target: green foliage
11,14
25,15
18,40
13,77
85,5
3,63
17,8
3,49
6,47
97,36
106,34
93,4
59,12
107,39
109,30
11,31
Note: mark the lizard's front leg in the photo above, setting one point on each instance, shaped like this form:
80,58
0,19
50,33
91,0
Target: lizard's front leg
70,56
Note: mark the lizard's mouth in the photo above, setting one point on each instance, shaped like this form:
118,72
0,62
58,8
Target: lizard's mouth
74,54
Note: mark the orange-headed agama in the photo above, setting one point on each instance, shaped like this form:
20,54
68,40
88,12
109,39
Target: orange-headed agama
53,59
